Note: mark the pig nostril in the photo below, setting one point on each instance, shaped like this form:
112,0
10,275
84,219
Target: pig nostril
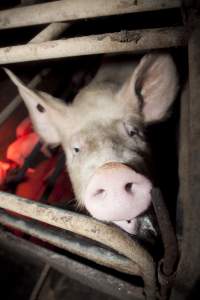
128,187
99,192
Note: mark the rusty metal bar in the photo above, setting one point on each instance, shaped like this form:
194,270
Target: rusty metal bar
72,244
67,10
178,288
87,275
124,41
51,32
167,265
187,281
88,227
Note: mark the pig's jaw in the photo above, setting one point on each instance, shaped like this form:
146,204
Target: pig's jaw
129,226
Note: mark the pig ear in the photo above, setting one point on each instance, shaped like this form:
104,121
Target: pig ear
41,108
155,83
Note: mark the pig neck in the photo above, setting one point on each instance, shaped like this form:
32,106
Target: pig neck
108,80
113,73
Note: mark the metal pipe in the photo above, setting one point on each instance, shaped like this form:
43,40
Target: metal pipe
167,232
67,10
78,271
86,226
72,244
167,265
51,32
188,273
124,41
40,282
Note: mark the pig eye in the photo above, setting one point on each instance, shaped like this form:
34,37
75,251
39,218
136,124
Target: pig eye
131,130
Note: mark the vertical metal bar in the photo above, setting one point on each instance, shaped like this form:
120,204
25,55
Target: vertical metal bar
40,282
188,276
167,265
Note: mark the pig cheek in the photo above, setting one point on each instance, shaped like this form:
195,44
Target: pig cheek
78,179
128,226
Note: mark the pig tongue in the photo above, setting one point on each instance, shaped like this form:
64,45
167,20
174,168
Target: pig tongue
129,226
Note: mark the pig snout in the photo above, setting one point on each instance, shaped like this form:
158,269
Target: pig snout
117,193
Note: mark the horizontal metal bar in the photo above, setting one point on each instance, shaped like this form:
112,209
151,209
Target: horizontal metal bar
108,235
84,274
72,244
124,41
51,32
67,10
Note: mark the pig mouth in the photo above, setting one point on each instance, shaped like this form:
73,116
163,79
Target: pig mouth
130,226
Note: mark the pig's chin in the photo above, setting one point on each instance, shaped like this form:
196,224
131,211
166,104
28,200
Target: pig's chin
129,226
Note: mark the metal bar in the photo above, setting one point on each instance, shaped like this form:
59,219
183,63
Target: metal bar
108,235
67,10
187,282
19,175
51,179
167,265
88,276
124,41
51,32
72,244
39,284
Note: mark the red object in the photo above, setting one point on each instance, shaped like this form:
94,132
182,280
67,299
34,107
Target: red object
5,167
36,182
25,127
21,148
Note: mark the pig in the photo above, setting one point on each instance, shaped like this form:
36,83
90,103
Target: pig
103,134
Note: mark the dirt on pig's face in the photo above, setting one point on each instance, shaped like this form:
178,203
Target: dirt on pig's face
105,134
98,144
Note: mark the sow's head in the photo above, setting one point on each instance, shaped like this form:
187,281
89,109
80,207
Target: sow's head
102,134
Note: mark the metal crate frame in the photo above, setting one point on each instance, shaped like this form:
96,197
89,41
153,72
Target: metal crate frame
130,257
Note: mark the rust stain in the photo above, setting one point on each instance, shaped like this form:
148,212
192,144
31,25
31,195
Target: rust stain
4,21
123,36
7,49
125,4
126,37
66,219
